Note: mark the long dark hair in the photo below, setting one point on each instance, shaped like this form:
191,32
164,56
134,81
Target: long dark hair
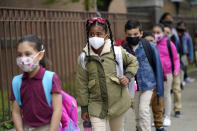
104,23
161,26
37,44
164,15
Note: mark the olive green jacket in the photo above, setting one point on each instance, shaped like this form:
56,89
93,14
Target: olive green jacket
98,89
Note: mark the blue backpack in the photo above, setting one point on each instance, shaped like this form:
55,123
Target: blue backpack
69,104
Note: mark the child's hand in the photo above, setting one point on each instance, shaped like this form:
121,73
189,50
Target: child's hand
85,116
124,80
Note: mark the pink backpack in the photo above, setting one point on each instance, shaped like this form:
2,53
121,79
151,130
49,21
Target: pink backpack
69,113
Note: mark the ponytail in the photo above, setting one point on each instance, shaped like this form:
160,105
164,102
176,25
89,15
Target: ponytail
112,41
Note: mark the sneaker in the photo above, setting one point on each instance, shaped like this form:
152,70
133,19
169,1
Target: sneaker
182,87
177,114
189,80
183,83
166,121
153,124
160,128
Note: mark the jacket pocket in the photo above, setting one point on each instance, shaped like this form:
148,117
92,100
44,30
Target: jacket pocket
91,83
115,79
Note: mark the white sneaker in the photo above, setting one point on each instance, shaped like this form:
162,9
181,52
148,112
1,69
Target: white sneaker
183,83
166,121
189,80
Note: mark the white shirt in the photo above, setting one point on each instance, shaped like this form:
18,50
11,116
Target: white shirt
135,47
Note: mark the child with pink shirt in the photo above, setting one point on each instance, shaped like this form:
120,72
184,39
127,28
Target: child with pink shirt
171,65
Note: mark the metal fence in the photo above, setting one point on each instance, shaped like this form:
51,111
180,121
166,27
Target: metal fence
64,36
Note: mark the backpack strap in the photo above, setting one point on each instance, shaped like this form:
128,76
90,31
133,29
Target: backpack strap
82,59
149,53
16,85
170,53
47,85
119,66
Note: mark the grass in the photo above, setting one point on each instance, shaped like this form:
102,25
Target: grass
8,125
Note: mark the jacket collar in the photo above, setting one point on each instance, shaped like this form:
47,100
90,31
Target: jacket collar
106,48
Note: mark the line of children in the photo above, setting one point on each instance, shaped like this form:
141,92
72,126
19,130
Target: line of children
162,45
148,77
176,84
171,33
156,102
166,64
183,42
102,94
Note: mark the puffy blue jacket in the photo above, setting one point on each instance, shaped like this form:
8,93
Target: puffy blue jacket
146,78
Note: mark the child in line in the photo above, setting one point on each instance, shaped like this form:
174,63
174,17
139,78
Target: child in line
162,41
101,94
149,75
185,49
176,84
156,101
34,112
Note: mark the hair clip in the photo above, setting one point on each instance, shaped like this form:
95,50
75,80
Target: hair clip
100,20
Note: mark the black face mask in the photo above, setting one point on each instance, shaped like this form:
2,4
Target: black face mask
169,23
180,30
133,40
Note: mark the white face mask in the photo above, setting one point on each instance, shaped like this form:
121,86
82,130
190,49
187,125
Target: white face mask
27,63
96,42
169,36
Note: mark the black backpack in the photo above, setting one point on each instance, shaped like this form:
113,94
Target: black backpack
170,53
149,53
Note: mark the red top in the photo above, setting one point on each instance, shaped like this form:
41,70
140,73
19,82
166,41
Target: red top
35,109
120,42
